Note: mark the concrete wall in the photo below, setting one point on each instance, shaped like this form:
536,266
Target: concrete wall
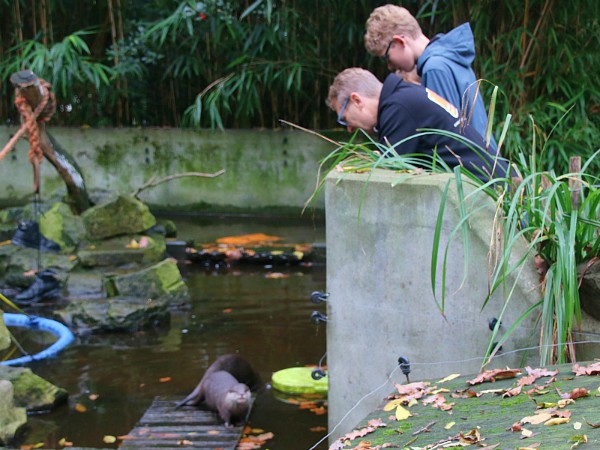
264,169
381,304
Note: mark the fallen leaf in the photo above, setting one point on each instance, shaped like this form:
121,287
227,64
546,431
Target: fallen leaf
402,413
449,425
592,369
449,378
164,379
493,375
227,310
537,418
393,404
213,432
377,423
593,425
64,443
577,425
526,433
318,429
93,397
557,421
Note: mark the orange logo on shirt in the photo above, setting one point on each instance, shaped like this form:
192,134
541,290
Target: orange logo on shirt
441,101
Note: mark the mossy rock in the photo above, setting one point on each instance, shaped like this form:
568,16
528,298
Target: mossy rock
115,251
12,418
4,334
121,215
159,280
60,225
114,314
31,391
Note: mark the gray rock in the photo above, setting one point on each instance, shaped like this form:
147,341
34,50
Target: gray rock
122,215
114,314
12,418
31,391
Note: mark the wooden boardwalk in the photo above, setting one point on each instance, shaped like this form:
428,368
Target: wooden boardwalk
163,426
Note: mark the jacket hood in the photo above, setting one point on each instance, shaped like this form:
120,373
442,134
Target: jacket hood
457,45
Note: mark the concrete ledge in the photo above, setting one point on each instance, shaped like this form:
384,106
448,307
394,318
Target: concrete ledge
381,305
264,169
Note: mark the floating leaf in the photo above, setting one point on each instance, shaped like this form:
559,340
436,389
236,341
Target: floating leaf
108,439
449,425
80,408
164,379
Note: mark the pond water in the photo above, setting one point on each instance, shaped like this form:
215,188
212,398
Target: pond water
112,379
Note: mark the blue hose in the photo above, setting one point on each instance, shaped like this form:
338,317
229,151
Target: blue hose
65,337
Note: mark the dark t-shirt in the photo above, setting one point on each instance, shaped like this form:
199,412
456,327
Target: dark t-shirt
405,108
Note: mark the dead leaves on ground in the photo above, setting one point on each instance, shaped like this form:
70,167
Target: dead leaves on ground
546,414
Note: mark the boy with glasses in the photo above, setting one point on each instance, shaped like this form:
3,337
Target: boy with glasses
396,109
443,63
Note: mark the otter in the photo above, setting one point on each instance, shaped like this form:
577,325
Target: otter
224,394
214,384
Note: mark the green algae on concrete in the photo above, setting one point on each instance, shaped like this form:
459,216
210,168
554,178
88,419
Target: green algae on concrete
121,215
483,408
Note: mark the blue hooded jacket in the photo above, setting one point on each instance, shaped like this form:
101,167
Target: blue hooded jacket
445,68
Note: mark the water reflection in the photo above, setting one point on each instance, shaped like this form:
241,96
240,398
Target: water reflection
113,378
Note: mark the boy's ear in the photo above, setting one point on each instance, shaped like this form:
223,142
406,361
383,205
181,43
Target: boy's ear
356,98
400,39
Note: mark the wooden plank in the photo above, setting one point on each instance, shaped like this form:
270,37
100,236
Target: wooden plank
162,426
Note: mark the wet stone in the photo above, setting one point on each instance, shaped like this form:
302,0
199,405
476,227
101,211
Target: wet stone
30,391
12,418
120,313
121,215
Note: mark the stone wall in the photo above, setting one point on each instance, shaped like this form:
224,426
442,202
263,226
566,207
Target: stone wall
379,233
264,169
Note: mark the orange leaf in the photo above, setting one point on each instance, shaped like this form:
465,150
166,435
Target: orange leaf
164,379
80,408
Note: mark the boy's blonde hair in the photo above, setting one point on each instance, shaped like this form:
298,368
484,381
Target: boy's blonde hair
351,80
385,22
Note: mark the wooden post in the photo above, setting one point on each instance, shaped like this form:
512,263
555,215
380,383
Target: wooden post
30,87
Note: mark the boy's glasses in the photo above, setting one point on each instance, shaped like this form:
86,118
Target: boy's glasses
386,55
341,114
